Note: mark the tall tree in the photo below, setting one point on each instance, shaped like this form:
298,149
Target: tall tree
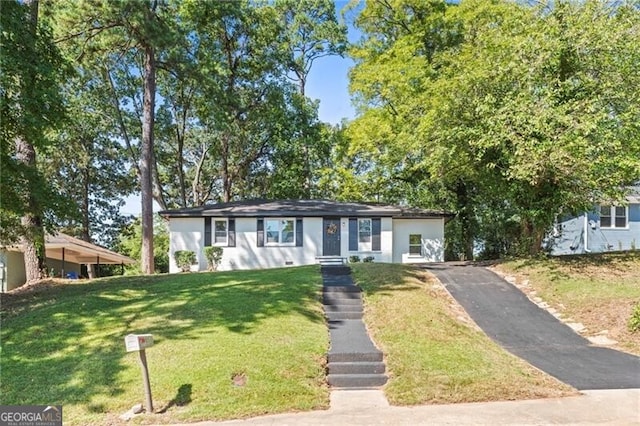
509,108
31,70
311,31
118,29
243,97
89,163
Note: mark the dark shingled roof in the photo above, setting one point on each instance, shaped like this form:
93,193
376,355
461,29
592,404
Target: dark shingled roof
306,208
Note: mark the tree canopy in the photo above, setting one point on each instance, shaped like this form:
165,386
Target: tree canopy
507,113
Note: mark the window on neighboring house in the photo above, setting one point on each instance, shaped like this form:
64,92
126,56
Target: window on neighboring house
613,216
280,231
364,234
415,244
220,232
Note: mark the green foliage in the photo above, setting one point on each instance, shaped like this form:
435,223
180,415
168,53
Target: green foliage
214,257
505,113
354,259
634,321
184,259
89,165
30,107
130,243
368,259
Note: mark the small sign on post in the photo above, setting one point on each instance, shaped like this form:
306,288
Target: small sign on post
139,342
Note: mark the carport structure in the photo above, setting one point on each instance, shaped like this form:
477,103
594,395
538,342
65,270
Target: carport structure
64,254
68,249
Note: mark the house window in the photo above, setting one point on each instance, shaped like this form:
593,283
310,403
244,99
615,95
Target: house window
415,244
613,216
280,232
364,234
220,232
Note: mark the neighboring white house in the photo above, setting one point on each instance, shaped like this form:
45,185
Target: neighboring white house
268,234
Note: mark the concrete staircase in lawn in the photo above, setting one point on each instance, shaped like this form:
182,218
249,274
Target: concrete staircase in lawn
353,360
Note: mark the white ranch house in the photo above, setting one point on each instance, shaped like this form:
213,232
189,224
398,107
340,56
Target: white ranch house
268,234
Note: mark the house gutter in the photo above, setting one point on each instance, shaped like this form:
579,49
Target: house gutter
586,231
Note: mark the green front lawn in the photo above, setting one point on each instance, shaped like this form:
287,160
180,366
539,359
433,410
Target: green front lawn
433,352
64,344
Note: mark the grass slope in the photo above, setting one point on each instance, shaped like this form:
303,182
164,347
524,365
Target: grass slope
433,353
64,344
599,291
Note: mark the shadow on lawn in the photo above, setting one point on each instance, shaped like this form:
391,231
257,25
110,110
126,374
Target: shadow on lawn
182,398
402,278
49,356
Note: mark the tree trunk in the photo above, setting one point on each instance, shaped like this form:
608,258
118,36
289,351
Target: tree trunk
224,176
533,237
146,160
32,241
465,217
85,233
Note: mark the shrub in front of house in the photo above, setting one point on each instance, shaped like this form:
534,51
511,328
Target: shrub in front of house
354,259
213,256
184,259
368,259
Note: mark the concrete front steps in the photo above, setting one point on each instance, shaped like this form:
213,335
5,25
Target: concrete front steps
353,360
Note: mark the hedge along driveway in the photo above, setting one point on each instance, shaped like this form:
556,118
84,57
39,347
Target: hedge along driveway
64,344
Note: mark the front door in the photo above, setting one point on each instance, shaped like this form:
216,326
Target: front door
331,237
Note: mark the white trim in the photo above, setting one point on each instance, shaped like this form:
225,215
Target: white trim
279,243
612,215
213,232
364,246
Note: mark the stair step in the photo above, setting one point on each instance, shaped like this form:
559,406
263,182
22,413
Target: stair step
337,316
343,307
356,381
335,270
354,356
356,368
341,289
330,301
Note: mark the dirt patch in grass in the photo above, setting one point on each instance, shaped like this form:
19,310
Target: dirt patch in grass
599,292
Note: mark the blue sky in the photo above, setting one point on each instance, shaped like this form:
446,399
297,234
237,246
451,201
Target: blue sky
328,82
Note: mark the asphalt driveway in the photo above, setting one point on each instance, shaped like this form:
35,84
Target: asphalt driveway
507,316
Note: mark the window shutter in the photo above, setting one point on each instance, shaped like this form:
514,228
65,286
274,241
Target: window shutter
299,232
375,234
353,234
260,232
231,236
207,231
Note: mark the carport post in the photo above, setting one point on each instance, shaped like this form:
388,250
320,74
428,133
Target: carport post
62,275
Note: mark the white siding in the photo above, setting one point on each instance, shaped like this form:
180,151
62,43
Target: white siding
188,234
432,231
13,272
385,254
